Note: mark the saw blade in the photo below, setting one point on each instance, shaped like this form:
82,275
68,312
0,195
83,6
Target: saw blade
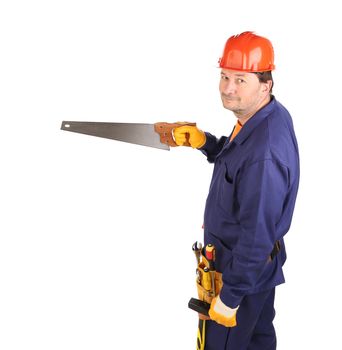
136,133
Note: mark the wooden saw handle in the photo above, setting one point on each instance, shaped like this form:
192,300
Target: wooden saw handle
165,132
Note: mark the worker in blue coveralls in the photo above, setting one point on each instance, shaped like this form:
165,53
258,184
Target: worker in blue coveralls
251,197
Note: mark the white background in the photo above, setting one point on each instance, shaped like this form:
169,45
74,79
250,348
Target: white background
96,235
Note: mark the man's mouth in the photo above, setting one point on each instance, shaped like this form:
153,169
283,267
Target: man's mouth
230,98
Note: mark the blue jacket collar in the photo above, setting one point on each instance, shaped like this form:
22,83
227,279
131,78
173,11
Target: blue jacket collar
254,121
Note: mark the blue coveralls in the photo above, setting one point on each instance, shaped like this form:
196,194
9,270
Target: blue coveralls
249,207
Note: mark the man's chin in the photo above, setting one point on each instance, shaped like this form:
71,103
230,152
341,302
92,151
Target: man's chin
234,109
229,105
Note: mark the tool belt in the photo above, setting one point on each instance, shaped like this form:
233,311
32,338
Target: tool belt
276,249
209,282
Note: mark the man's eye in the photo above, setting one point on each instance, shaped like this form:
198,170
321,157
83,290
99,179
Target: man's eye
223,77
240,81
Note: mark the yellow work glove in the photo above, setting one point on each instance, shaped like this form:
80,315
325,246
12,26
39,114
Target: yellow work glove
222,314
192,134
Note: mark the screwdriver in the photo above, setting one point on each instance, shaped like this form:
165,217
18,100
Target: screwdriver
206,280
210,255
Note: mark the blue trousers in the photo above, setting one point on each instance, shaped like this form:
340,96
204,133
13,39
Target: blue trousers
254,330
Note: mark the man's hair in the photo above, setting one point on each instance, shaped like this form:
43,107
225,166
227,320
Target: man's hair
264,77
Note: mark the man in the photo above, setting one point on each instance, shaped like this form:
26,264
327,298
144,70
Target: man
251,197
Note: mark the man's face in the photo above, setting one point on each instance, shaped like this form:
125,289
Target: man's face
241,92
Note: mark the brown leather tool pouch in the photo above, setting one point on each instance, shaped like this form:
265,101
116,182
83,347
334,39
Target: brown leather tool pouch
204,283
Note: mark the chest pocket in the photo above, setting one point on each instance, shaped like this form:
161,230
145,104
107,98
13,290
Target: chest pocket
227,200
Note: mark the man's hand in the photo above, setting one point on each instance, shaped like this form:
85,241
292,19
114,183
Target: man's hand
192,134
222,314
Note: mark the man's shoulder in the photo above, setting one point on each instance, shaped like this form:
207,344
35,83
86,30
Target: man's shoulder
273,138
279,115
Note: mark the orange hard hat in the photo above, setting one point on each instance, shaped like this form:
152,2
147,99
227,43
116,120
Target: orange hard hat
248,52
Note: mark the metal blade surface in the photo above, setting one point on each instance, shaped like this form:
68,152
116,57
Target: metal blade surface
136,133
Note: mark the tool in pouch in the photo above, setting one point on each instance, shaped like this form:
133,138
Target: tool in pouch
158,135
209,283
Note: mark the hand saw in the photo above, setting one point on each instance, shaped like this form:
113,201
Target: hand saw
158,135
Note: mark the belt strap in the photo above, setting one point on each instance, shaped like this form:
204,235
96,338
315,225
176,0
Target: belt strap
275,250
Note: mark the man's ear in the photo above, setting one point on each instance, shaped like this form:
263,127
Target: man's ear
267,87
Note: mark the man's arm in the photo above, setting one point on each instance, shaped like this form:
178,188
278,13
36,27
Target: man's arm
212,146
261,194
205,142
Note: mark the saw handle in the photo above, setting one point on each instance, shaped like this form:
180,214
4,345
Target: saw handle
165,132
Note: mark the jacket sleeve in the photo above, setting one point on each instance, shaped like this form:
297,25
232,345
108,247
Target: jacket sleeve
212,147
261,193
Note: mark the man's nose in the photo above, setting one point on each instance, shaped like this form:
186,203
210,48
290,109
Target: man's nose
228,87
